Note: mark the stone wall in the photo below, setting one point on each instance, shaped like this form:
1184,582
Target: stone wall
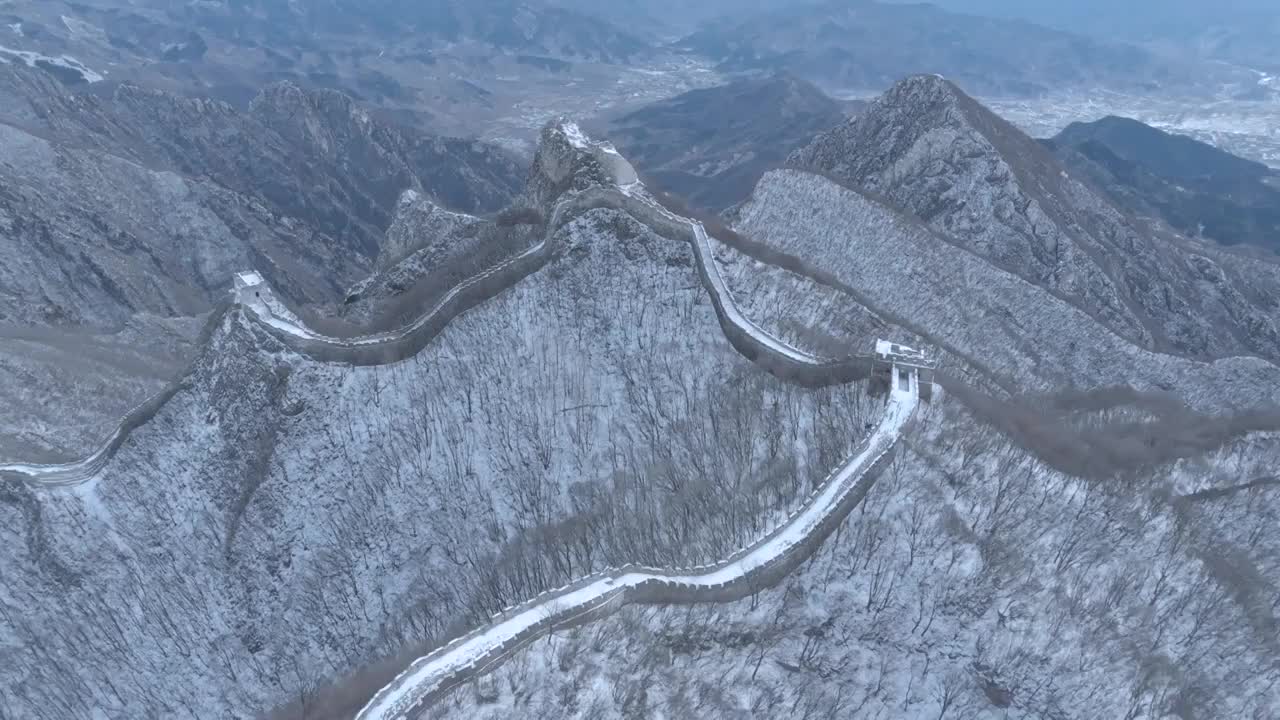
71,473
658,590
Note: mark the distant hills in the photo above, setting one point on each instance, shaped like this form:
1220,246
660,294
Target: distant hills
712,145
869,45
1197,189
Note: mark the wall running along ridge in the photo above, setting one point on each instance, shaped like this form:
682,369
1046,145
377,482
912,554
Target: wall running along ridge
54,475
760,565
746,337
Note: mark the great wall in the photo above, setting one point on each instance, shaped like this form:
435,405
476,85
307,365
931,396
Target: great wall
761,564
758,566
624,193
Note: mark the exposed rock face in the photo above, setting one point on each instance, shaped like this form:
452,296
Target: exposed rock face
563,163
419,222
710,146
927,147
1197,189
428,251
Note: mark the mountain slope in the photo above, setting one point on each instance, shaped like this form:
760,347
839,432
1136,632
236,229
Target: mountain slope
1194,187
974,582
711,145
494,69
133,209
305,184
595,405
1023,557
929,148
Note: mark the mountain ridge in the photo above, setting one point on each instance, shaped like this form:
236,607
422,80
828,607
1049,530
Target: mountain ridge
1198,190
868,45
272,460
133,209
931,149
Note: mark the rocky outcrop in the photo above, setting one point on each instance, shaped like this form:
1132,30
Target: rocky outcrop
564,163
419,225
929,148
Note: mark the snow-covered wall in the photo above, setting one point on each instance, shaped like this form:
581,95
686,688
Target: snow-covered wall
747,337
71,473
760,565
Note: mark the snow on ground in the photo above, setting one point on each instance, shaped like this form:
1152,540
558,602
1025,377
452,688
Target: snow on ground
32,59
576,137
320,495
972,583
432,671
253,292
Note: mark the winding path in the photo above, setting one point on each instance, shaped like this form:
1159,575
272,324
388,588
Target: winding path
760,565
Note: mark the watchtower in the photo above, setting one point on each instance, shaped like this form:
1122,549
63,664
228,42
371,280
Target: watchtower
248,288
894,358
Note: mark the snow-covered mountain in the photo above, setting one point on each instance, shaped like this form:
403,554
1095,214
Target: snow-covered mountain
394,503
125,216
1077,521
930,149
1081,551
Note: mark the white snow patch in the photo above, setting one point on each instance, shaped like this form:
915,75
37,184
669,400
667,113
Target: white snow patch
66,61
574,134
